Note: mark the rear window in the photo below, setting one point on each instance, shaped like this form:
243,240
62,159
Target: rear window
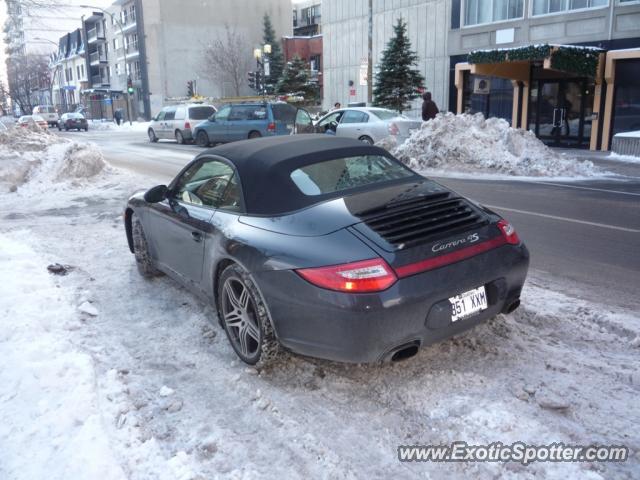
77,116
201,113
283,112
248,112
385,114
49,110
346,173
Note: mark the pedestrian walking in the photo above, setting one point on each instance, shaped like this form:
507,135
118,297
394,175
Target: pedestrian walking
429,107
117,116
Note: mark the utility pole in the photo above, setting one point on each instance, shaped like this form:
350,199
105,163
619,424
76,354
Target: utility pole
370,56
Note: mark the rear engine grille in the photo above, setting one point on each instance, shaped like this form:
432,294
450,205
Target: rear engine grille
420,220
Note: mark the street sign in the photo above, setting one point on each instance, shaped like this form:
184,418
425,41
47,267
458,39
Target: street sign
352,92
364,72
267,68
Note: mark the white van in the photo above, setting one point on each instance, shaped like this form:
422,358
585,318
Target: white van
177,121
48,112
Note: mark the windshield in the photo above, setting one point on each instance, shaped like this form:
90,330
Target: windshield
201,113
345,173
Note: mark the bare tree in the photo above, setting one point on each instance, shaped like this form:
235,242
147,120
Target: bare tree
226,58
27,74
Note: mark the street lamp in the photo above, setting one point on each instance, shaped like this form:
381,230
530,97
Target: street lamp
124,51
55,70
262,60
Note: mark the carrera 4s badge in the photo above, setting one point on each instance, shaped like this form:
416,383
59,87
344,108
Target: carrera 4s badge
469,239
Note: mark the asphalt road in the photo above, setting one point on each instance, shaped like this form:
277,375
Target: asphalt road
584,236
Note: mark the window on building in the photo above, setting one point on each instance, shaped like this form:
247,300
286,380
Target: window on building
544,7
78,71
498,102
626,109
477,12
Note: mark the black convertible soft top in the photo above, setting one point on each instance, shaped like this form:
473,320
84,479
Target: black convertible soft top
265,167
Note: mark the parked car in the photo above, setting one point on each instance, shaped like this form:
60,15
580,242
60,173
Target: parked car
367,124
176,122
250,120
327,247
48,112
26,120
73,121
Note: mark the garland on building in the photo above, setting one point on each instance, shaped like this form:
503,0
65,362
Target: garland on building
582,61
577,60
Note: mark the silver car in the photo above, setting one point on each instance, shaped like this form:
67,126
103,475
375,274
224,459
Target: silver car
367,124
177,122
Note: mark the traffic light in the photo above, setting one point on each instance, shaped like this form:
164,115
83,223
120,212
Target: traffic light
190,91
253,80
129,86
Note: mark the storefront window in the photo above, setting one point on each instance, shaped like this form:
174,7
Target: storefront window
543,7
486,11
626,110
494,101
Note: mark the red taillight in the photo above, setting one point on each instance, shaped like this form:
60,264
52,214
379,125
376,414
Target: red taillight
187,125
393,129
271,127
508,232
358,277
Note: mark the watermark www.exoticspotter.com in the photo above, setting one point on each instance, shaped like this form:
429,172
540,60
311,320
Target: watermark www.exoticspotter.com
519,452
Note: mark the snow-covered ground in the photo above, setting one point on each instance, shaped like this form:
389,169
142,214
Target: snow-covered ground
107,375
458,145
125,126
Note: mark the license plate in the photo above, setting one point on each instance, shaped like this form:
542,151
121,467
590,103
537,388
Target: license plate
468,303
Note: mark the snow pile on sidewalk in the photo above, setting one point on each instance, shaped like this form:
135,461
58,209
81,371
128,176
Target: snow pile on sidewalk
472,144
60,417
41,158
48,405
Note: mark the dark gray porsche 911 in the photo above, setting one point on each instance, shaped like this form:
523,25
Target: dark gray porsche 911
327,247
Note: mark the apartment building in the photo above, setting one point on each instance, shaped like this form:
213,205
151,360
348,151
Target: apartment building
68,71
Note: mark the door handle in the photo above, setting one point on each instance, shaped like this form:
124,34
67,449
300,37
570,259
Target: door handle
196,236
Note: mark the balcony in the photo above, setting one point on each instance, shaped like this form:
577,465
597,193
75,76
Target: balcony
96,58
99,81
95,35
131,51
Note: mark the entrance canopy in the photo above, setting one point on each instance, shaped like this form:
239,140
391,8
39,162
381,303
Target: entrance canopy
514,63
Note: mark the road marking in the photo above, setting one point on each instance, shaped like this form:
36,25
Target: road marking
587,188
565,219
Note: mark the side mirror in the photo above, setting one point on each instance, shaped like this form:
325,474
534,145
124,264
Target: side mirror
156,194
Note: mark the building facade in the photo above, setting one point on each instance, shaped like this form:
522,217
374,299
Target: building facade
565,69
307,18
345,45
69,71
527,78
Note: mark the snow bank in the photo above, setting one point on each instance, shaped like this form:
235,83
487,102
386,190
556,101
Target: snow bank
472,144
38,157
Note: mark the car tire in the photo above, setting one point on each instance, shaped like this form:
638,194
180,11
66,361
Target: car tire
366,139
202,139
144,262
245,318
152,136
66,129
59,128
255,134
179,137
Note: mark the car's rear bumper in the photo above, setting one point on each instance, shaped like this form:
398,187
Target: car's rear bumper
370,327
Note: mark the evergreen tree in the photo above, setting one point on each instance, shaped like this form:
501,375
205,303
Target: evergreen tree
397,81
276,59
295,79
